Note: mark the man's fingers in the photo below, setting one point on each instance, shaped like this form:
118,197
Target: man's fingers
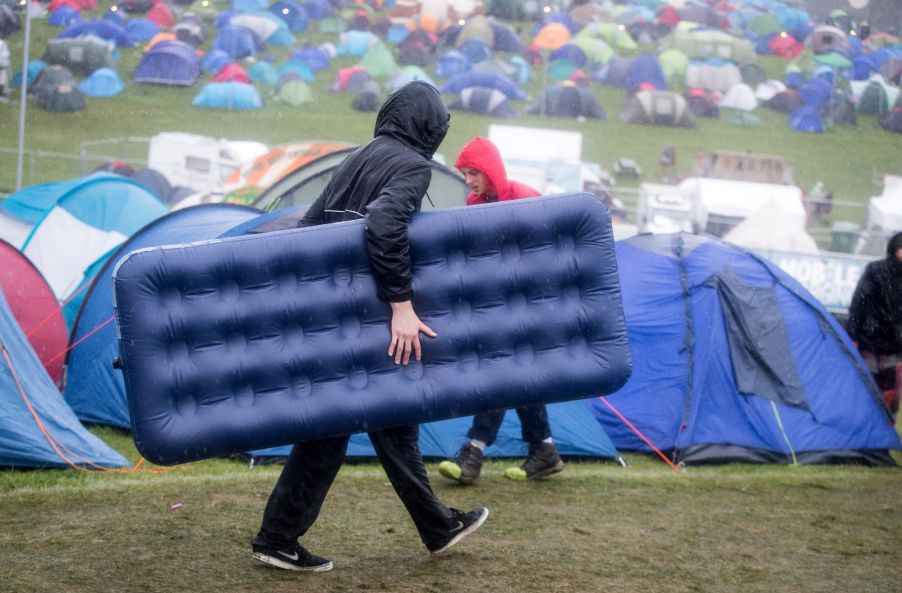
428,331
416,347
391,347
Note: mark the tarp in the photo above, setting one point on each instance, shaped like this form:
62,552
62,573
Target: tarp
37,428
35,308
93,388
91,218
735,361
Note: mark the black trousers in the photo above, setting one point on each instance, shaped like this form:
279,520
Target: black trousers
298,495
533,421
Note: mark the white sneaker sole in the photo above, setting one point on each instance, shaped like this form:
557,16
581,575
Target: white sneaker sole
266,559
464,533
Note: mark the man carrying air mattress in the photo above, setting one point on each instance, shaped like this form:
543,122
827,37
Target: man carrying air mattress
383,182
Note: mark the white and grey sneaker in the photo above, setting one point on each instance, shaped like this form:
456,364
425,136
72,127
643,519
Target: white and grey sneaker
295,557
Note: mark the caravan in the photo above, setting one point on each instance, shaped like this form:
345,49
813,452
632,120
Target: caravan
199,162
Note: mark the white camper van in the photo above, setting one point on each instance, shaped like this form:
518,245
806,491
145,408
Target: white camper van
199,162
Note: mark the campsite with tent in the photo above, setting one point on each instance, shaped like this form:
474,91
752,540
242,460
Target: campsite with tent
748,152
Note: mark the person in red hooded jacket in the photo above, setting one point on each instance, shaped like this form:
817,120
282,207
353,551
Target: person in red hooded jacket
483,171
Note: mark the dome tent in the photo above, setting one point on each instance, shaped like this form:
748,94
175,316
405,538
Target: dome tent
787,387
93,388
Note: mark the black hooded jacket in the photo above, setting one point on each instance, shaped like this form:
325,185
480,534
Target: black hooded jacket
385,180
875,315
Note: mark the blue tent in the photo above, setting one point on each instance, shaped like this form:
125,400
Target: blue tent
30,203
815,92
103,82
733,360
572,52
314,57
24,442
263,73
214,60
573,427
645,69
294,15
505,38
475,50
485,79
103,29
238,42
142,29
317,9
451,63
228,95
88,219
298,67
172,63
64,16
807,119
248,5
93,388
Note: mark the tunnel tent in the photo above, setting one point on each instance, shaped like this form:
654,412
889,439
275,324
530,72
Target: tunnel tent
734,361
93,388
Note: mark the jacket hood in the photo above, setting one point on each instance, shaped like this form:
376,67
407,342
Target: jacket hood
894,243
481,154
415,115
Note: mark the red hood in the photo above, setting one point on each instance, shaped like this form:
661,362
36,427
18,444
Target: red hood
482,155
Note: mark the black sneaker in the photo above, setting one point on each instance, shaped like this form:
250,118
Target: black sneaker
463,525
292,558
465,466
543,460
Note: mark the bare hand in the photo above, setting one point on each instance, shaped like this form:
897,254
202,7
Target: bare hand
405,332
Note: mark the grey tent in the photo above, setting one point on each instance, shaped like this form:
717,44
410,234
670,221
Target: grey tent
484,101
190,29
62,98
9,21
753,74
81,55
825,39
568,100
51,77
658,108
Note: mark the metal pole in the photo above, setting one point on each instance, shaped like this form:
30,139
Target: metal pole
24,91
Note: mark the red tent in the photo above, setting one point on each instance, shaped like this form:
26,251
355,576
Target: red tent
161,15
76,4
232,73
668,15
785,46
35,307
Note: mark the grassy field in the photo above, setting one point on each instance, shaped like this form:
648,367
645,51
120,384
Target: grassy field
845,159
595,527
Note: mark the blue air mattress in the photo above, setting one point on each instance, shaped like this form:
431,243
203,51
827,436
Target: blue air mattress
251,342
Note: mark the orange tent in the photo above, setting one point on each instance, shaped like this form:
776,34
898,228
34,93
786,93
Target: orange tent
552,36
247,182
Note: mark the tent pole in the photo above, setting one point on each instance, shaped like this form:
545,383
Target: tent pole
22,103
